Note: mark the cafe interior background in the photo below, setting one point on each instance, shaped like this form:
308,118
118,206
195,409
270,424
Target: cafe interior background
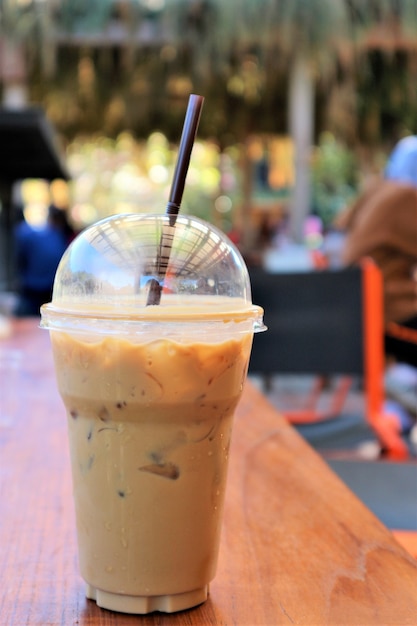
304,100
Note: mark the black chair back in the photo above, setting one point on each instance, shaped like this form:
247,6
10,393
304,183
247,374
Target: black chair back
314,319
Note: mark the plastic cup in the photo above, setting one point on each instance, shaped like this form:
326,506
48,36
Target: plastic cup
150,393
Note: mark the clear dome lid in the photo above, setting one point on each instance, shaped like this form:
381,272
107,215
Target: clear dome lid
109,269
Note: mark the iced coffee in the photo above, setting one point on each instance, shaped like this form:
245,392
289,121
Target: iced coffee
150,394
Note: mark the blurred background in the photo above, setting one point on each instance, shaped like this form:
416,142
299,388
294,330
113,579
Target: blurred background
304,100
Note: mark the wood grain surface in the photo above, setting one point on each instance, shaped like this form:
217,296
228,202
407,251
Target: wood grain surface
297,546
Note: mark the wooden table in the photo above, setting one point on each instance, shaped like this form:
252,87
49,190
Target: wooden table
297,546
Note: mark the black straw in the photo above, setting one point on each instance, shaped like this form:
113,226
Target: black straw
192,119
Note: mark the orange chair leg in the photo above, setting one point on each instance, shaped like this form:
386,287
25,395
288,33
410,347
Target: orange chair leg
385,426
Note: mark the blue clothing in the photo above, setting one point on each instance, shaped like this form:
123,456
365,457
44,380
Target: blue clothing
38,252
402,164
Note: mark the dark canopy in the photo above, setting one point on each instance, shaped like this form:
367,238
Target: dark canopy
28,146
28,149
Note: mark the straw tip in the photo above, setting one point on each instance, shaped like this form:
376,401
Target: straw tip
195,96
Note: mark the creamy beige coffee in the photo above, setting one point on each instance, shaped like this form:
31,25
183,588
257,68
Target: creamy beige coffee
149,424
150,391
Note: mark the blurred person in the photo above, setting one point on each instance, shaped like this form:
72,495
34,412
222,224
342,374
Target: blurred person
382,224
38,251
58,217
402,163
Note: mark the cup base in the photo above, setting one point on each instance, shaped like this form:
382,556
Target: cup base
146,604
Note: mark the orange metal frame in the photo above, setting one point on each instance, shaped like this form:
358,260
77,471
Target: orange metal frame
311,413
385,425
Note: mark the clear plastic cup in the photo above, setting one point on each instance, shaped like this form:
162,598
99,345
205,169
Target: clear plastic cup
150,393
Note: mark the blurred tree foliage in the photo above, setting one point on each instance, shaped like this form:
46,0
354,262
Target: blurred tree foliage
335,176
113,64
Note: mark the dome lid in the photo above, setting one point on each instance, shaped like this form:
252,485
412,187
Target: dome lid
109,269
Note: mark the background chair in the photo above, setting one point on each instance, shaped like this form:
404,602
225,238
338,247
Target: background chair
327,323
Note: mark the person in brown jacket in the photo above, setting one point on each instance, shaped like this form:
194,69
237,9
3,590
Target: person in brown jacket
382,224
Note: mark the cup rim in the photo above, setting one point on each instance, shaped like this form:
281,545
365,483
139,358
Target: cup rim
54,317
